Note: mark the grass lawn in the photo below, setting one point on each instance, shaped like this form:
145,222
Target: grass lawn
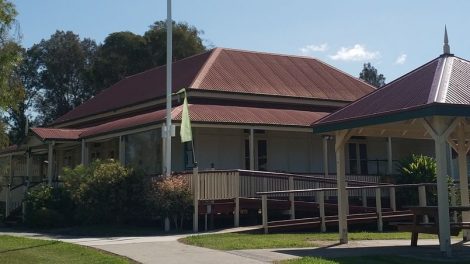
234,241
25,250
364,260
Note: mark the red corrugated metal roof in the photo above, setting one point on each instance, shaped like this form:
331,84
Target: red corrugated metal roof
250,115
230,71
274,74
57,133
408,91
219,114
9,149
122,124
139,88
443,81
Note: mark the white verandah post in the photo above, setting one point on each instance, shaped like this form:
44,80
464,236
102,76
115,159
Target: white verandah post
195,180
325,156
341,138
440,131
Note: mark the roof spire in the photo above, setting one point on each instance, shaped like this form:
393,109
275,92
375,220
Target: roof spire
446,42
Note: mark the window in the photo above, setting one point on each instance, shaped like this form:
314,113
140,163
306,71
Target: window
144,151
262,155
353,159
247,154
358,158
188,155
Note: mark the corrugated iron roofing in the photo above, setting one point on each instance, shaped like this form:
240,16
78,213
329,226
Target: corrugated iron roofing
273,74
250,115
57,133
220,114
122,124
411,90
458,91
139,88
230,71
9,149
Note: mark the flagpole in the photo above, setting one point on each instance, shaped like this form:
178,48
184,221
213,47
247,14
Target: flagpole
169,44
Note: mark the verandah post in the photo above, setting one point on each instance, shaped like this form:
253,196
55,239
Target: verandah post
393,199
378,206
291,198
196,199
343,205
321,201
422,200
264,212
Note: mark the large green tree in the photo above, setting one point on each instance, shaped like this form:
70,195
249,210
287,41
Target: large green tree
24,82
186,41
63,70
370,75
125,53
122,54
11,90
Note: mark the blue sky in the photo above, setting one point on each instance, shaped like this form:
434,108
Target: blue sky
395,36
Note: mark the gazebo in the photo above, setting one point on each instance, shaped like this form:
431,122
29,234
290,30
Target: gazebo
430,102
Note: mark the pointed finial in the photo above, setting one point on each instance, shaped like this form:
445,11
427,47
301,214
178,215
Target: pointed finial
446,42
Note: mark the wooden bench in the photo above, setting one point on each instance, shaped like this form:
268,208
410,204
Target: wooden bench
420,226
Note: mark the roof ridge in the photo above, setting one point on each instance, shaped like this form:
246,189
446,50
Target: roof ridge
268,53
377,90
164,65
205,68
443,85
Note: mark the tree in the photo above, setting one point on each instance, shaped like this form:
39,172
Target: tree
186,41
17,118
10,88
63,73
122,54
125,53
369,74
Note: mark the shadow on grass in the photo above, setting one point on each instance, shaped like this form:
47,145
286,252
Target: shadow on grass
422,254
30,247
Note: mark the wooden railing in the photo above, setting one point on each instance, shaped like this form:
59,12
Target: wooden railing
320,194
230,184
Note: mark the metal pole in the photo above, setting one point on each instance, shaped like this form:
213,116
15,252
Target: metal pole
169,55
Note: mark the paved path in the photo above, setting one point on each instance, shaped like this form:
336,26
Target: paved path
152,249
166,249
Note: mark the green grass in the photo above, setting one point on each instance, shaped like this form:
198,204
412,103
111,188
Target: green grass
25,250
364,260
235,241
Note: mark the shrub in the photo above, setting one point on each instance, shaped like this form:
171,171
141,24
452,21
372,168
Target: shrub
418,169
48,207
106,192
171,197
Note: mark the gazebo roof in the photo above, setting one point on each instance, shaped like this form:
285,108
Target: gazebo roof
439,87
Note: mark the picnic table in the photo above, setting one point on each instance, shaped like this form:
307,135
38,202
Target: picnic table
426,220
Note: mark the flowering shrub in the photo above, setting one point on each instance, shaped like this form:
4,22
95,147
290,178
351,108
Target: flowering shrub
171,197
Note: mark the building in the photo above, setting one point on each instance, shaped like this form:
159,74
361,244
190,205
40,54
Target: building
249,110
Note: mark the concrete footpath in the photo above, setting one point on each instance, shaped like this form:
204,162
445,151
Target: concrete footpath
151,249
166,249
